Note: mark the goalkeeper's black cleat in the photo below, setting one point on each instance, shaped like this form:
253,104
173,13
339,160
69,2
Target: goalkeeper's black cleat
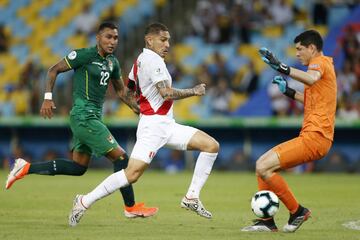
296,219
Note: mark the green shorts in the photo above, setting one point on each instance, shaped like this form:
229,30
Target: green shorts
91,136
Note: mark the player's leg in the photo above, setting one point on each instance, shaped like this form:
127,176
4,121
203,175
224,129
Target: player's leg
120,161
266,167
131,210
298,214
286,155
311,146
75,167
108,186
189,138
209,149
115,181
268,179
146,146
58,166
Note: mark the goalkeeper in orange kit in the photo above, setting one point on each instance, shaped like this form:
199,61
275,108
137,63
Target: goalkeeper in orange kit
316,136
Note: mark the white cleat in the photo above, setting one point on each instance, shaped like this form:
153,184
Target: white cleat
19,170
195,205
77,211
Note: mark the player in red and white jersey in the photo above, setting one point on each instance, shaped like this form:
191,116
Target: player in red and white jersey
148,70
151,80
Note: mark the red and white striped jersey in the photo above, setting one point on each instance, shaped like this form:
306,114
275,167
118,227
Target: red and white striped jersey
149,69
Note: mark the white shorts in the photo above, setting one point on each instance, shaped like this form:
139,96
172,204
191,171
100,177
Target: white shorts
156,131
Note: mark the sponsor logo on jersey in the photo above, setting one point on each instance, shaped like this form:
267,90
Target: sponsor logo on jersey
314,66
97,63
72,55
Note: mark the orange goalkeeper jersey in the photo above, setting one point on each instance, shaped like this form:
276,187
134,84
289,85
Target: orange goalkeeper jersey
320,99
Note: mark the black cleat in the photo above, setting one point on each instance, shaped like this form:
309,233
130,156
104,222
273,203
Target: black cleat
296,219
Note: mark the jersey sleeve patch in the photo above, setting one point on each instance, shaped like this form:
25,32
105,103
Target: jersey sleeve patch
72,55
316,66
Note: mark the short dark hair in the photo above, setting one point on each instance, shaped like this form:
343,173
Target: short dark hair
104,25
310,37
155,28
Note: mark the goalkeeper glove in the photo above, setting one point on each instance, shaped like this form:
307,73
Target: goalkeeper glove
283,86
268,57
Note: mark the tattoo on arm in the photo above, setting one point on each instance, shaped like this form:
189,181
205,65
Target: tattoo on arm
169,93
126,95
53,72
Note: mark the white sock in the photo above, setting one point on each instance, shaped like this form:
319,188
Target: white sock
108,186
203,167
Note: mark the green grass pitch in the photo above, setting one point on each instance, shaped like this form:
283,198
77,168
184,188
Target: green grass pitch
36,207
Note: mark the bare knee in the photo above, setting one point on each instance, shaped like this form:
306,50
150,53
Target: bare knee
132,175
261,169
212,146
134,170
267,164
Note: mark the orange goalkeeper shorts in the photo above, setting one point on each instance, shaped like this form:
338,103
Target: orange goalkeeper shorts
309,146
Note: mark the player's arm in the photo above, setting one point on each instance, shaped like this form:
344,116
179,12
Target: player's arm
308,78
169,93
282,84
126,95
48,104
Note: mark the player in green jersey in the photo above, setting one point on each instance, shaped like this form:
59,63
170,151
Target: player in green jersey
93,69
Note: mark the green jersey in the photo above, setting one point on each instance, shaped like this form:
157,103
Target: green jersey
92,74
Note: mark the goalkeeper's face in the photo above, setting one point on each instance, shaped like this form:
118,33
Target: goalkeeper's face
159,42
304,54
107,41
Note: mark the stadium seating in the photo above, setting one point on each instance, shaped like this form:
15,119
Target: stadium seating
44,30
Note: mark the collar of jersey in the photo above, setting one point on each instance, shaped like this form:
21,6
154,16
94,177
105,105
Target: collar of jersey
151,52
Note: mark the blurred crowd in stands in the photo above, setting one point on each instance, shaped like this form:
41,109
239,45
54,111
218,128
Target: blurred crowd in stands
216,22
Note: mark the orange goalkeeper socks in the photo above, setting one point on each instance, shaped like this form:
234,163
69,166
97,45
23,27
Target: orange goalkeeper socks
262,185
278,185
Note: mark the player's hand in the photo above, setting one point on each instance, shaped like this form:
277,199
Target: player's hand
281,83
269,58
199,90
47,107
283,86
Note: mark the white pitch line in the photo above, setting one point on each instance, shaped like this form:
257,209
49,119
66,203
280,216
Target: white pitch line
354,225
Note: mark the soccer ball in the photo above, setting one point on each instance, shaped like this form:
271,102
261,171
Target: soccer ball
265,204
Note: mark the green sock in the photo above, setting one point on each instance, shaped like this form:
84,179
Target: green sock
57,167
126,192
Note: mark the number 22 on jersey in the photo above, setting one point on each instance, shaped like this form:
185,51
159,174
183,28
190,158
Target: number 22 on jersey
104,78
